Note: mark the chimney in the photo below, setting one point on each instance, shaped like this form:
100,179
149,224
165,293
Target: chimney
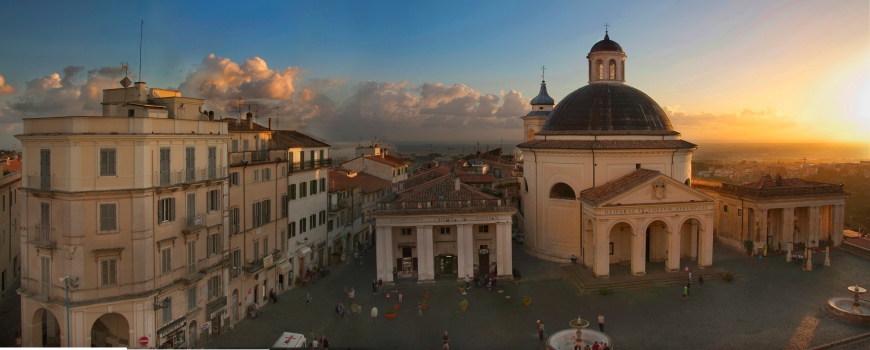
456,184
250,117
270,123
211,115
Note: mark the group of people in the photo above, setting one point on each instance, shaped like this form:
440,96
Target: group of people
688,286
360,252
378,286
316,343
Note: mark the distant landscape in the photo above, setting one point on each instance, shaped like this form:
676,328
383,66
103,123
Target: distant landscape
784,152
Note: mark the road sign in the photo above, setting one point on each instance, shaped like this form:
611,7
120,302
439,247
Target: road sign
143,341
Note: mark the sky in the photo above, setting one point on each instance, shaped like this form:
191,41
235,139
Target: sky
449,71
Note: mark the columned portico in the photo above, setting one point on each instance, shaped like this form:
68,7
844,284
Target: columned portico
465,250
384,250
425,259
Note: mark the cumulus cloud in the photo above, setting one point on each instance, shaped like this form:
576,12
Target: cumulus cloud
221,79
59,94
6,89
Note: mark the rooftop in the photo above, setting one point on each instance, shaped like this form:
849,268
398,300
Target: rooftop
769,188
600,194
340,180
608,144
441,196
388,159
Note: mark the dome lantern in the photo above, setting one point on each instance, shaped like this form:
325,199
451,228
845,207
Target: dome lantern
606,62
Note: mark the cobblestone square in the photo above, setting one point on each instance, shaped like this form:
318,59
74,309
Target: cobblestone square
773,305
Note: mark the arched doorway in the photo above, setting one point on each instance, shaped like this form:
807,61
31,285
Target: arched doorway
620,246
110,330
690,239
656,241
192,334
45,330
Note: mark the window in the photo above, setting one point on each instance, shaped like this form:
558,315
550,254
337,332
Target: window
302,226
284,206
131,113
164,166
267,211
313,187
190,163
303,189
256,175
165,260
245,145
322,217
611,248
562,191
234,179
235,145
255,212
330,225
165,210
108,217
256,249
191,298
292,229
107,162
483,229
265,246
321,155
191,257
212,162
267,174
262,212
323,185
213,200
283,170
109,272
739,213
234,221
445,230
167,310
637,166
292,191
214,287
215,244
312,220
236,259
283,238
45,275
407,231
725,208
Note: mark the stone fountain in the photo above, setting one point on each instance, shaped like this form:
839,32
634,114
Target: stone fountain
567,339
852,309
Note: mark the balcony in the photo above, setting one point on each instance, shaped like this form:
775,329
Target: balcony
196,270
194,223
336,207
42,236
310,165
188,176
246,157
41,182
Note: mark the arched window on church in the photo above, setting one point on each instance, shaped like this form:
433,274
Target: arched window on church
531,134
612,70
600,69
562,191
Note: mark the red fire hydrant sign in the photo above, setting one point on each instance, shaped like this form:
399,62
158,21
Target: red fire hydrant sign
143,341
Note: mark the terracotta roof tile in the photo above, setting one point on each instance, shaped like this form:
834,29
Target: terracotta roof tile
786,182
340,181
389,160
607,144
242,125
477,178
293,138
599,194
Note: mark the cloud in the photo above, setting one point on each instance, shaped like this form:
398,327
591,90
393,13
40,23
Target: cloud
6,89
221,79
744,125
60,94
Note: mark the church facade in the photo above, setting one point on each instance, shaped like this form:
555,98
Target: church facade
606,178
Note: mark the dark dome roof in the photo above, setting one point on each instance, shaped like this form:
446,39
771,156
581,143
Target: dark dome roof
606,45
543,98
607,107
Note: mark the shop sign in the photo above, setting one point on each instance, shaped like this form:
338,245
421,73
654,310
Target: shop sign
483,251
206,326
217,306
268,261
171,327
409,246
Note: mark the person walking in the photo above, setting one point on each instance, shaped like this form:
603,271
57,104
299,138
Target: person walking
308,298
374,314
685,292
540,330
380,285
467,282
689,287
700,281
420,309
690,275
351,294
355,255
446,340
374,286
311,339
324,342
601,322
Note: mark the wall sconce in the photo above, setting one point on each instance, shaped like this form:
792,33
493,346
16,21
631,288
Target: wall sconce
161,304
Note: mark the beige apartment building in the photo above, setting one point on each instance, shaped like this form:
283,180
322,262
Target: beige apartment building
127,212
10,242
263,252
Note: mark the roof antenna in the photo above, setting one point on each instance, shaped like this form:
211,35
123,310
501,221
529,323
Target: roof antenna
141,30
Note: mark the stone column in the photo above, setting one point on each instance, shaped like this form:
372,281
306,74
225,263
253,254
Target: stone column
638,253
384,250
813,219
705,253
787,226
694,235
837,230
464,250
673,263
601,267
762,226
746,227
425,259
505,255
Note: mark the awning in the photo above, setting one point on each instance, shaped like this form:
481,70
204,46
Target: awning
285,267
305,250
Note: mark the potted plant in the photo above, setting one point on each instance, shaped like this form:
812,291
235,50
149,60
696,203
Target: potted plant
604,291
425,306
426,295
463,305
516,281
728,276
462,287
390,314
748,245
396,307
298,280
527,301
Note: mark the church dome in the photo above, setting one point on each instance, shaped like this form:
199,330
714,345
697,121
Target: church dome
607,107
606,45
543,97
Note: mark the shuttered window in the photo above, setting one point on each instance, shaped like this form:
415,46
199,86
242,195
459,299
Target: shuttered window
166,210
293,191
191,298
213,200
45,275
234,221
255,212
107,162
108,217
165,261
108,272
191,257
214,243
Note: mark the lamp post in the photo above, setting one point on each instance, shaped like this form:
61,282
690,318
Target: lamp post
66,287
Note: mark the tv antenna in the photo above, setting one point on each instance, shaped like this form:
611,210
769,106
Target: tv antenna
141,31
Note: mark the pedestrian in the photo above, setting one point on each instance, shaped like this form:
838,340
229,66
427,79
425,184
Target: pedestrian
324,342
420,309
540,330
601,322
374,314
273,296
374,286
351,294
365,249
467,282
604,346
689,287
685,292
687,270
308,298
380,285
315,344
355,255
311,337
573,259
690,275
476,280
446,340
700,281
595,346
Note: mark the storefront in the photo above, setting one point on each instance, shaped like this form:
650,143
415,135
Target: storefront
445,265
285,275
217,312
173,335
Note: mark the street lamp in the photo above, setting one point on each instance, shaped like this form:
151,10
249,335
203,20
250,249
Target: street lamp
66,282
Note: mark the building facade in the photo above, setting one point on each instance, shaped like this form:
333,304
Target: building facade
126,212
10,241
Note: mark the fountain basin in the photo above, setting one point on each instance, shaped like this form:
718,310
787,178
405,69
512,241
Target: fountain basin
564,340
844,308
582,324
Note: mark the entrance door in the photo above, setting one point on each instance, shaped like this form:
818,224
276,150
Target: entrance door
445,265
483,269
647,244
406,252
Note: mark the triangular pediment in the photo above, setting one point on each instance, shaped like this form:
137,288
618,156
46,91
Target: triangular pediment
643,187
